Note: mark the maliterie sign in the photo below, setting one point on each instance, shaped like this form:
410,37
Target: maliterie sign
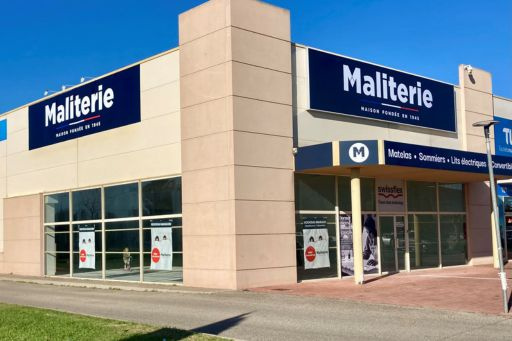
107,103
347,86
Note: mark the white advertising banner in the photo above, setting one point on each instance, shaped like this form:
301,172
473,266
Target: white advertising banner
161,248
316,248
87,253
390,195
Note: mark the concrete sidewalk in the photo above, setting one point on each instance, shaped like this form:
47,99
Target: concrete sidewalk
466,288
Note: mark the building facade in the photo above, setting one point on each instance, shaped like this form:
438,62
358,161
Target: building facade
242,159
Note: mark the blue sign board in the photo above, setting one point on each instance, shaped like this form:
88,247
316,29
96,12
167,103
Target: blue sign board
3,130
347,86
503,137
107,103
410,155
359,152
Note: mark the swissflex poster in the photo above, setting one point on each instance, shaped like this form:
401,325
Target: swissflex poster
316,248
87,254
161,248
370,248
390,195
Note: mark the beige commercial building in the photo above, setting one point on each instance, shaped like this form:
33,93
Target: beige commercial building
231,162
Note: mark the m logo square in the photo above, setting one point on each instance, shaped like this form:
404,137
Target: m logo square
358,152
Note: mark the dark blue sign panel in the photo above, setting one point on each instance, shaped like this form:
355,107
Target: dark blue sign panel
107,103
3,130
410,155
347,86
503,137
359,153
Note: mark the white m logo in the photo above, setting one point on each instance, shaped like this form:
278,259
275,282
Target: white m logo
358,152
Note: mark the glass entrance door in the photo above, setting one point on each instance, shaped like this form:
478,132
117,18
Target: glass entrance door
393,243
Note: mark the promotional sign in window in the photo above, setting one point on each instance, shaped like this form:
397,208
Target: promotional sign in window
161,248
503,137
3,130
347,86
390,195
107,103
87,247
370,249
316,248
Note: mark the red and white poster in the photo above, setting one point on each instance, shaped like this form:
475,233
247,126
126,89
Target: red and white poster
86,247
316,248
161,248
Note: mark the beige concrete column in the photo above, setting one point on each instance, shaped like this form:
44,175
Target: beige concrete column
357,225
476,104
236,126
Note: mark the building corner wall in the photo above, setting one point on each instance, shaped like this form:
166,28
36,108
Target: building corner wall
238,201
23,241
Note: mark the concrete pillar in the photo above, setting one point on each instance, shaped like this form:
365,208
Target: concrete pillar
237,161
357,225
475,103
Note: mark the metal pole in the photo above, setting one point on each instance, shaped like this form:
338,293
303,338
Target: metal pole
502,274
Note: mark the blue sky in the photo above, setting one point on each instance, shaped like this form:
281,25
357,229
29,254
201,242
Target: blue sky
45,44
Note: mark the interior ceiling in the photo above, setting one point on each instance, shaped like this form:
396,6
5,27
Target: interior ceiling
407,173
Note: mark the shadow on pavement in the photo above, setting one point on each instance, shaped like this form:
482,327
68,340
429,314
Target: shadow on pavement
220,326
376,278
172,334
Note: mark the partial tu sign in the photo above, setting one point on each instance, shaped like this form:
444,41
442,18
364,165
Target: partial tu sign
83,255
310,254
155,255
358,152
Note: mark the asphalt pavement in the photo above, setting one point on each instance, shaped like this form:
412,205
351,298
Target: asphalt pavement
262,316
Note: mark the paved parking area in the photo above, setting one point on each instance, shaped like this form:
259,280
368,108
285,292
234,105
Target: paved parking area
466,288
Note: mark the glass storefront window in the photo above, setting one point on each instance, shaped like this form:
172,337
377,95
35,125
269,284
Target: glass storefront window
423,241
421,196
87,244
161,197
122,266
122,241
56,208
57,242
57,264
174,275
453,239
122,201
367,194
87,204
323,260
451,198
314,192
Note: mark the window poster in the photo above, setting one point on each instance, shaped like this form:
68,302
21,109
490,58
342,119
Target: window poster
87,253
161,248
369,239
390,195
316,248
